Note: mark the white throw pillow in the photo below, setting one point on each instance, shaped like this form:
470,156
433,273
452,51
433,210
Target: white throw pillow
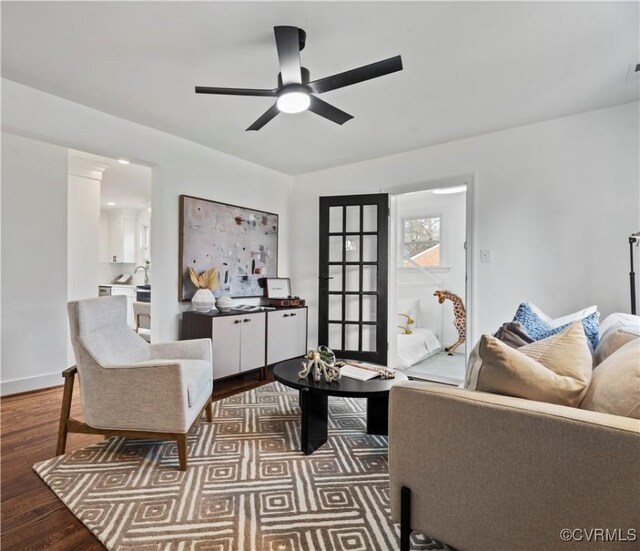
613,321
564,320
407,315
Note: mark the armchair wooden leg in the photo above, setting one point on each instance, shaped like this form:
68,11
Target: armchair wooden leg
182,451
405,518
65,412
209,410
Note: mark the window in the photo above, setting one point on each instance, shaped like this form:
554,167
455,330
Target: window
421,242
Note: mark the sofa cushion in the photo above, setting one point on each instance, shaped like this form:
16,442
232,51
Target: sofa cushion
615,386
538,328
616,330
619,319
613,340
555,370
513,334
198,374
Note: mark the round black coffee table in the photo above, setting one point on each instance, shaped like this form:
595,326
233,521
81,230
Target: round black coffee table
314,401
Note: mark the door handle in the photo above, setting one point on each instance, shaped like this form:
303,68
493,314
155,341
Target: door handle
293,315
237,321
286,316
246,320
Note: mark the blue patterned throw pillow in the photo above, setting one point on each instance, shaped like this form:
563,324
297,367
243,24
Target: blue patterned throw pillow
539,329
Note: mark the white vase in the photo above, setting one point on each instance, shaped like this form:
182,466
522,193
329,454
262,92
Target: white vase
224,303
203,300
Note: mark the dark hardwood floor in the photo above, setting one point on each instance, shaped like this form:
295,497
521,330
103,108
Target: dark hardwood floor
33,518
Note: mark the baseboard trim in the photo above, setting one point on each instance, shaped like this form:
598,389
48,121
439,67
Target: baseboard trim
29,384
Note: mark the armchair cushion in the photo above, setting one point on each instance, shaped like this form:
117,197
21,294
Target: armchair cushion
198,380
130,348
196,349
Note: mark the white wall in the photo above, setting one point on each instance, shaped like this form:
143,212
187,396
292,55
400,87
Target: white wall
83,217
554,202
34,264
413,283
179,166
83,214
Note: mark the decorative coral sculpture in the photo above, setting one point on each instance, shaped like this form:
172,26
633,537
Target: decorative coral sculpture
320,362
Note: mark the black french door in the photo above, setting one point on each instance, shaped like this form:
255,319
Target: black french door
353,280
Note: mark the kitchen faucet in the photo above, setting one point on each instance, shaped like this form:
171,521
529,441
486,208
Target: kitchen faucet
146,273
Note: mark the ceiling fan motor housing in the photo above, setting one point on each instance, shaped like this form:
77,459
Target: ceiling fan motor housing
306,76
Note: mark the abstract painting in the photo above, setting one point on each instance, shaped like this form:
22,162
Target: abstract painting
241,243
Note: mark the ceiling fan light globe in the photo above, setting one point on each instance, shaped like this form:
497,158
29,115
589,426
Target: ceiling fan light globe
293,102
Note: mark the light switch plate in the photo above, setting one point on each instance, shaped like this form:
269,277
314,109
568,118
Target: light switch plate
485,255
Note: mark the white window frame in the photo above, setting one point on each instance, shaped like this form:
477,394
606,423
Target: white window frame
442,267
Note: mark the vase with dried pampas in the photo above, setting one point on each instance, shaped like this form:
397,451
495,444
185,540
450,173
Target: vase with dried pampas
206,283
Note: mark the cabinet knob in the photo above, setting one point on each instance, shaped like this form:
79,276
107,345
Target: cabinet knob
286,316
293,315
237,321
246,320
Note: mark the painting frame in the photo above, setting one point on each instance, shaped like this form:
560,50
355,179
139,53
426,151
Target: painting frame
183,279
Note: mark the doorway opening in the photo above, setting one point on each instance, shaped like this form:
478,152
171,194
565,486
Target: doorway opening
109,233
430,279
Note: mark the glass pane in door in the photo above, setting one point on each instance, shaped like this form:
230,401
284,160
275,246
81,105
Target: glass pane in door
369,218
335,219
369,248
353,219
335,248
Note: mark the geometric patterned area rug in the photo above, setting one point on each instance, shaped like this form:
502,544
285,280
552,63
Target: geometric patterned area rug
248,486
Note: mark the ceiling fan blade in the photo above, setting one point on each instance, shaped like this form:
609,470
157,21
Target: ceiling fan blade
235,91
328,111
367,72
265,118
288,44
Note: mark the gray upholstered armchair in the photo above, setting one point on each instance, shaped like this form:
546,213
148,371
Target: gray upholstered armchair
129,387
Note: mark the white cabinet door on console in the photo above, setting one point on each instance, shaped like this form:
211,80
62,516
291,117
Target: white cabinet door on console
287,334
253,341
226,346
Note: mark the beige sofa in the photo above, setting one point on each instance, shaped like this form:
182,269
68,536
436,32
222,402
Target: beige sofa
496,473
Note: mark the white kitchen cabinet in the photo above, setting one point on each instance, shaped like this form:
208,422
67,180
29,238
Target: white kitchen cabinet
238,343
130,293
122,240
118,237
286,334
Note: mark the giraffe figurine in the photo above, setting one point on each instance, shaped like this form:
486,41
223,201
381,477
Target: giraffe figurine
460,317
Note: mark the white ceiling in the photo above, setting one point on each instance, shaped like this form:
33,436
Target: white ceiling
469,68
128,186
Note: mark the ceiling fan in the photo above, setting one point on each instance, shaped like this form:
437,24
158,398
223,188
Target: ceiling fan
295,93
